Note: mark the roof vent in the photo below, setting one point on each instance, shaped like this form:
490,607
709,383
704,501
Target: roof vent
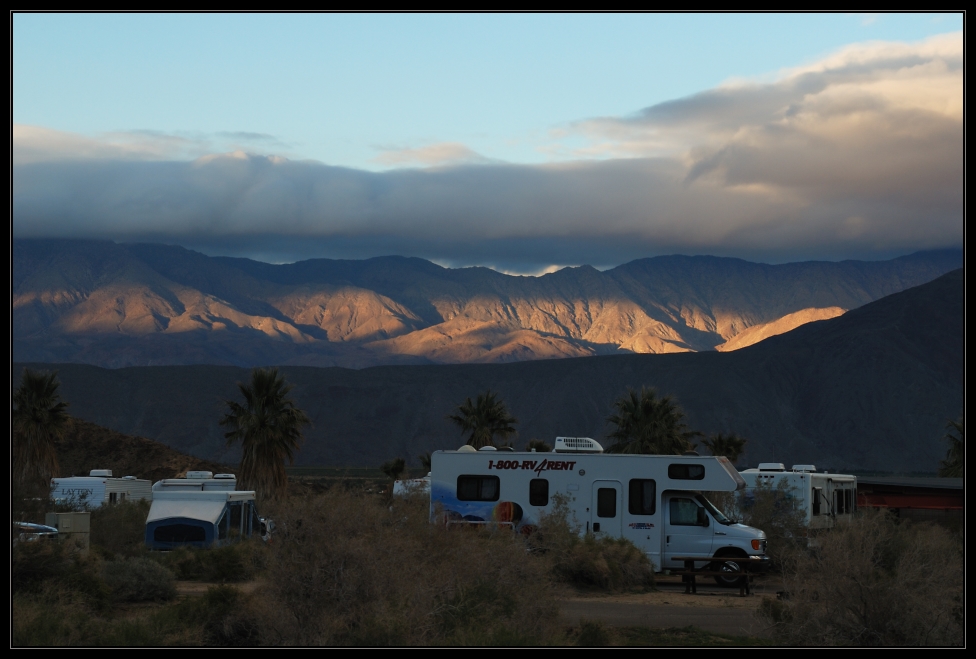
506,448
467,448
128,478
104,473
199,474
487,448
577,445
808,468
771,466
227,476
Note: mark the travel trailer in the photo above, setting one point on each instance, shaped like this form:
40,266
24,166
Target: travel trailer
823,498
202,510
98,488
655,501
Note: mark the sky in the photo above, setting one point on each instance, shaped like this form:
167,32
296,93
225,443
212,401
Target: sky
520,142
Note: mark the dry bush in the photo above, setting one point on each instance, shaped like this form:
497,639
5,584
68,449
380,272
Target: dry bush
345,569
229,564
874,582
120,529
587,561
139,580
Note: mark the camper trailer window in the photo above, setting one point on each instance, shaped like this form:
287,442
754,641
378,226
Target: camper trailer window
684,512
538,492
686,472
477,488
606,502
642,496
179,533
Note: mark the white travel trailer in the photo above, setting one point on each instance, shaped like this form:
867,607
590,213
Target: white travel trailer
99,488
654,501
823,498
202,510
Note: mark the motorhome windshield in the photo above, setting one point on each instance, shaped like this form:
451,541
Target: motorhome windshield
716,513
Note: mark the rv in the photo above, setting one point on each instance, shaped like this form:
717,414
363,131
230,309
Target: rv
202,510
655,501
98,488
823,499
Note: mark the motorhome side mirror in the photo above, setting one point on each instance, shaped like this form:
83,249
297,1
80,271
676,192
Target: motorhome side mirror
702,517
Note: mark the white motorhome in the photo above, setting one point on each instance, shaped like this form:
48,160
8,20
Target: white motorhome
98,488
823,498
202,510
654,501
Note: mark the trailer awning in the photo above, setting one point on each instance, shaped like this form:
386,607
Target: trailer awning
205,511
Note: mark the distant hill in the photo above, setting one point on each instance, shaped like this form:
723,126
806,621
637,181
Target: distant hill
117,305
871,389
88,446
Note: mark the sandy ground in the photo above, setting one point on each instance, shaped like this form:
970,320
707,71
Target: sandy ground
714,609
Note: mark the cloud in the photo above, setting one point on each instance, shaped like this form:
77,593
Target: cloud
859,155
441,154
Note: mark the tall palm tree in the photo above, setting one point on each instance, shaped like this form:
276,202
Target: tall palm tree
39,418
952,466
650,425
731,446
485,419
269,428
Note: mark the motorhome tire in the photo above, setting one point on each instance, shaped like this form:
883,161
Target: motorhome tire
728,565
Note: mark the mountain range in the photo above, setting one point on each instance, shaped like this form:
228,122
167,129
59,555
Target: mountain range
871,389
117,305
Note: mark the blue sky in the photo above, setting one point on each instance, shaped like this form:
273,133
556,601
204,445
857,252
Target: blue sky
477,134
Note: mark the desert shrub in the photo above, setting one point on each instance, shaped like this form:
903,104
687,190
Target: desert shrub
874,582
120,529
229,564
589,562
139,580
52,569
225,616
772,510
592,634
346,569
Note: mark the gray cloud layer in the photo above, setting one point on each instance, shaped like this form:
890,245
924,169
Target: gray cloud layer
857,156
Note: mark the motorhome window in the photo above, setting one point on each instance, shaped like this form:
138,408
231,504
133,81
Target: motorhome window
606,502
179,533
686,472
111,497
710,507
642,497
817,493
849,501
684,512
477,488
538,492
235,510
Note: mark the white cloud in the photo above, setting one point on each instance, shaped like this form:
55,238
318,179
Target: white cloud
433,155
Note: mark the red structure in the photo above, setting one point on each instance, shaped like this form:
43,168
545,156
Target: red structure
913,498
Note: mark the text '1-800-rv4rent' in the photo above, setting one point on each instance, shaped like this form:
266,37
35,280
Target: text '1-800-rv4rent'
655,501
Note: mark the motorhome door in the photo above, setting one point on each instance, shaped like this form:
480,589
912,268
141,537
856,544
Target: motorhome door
606,512
687,529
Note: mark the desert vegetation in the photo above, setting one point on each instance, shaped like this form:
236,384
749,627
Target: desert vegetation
874,582
345,568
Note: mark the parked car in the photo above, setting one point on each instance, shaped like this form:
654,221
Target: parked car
27,532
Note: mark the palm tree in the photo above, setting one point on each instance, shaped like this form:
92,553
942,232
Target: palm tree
39,418
484,419
731,446
269,428
952,466
648,424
